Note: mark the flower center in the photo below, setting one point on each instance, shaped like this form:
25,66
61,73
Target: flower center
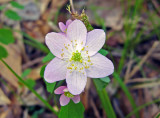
76,56
68,94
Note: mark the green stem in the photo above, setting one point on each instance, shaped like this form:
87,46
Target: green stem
141,107
31,89
106,103
126,91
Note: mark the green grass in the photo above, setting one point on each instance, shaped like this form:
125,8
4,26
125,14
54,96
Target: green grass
141,107
126,91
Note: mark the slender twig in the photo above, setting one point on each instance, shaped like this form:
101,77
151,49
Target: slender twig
72,6
136,68
31,63
141,80
95,108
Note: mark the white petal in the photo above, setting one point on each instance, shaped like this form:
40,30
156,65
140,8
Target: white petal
55,70
64,100
56,42
76,99
101,67
76,81
62,26
95,41
77,32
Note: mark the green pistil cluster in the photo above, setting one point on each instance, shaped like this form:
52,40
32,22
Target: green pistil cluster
68,94
76,56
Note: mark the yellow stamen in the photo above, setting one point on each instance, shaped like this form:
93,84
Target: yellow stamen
86,67
69,67
87,51
62,54
81,61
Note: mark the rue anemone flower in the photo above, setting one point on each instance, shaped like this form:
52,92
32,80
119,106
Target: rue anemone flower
66,96
77,56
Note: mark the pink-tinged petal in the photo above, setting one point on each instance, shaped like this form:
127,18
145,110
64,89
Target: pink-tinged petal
76,99
101,67
55,70
56,42
62,26
59,90
95,41
68,22
76,32
64,100
76,81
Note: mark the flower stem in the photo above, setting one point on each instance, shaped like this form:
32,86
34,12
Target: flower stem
31,89
106,103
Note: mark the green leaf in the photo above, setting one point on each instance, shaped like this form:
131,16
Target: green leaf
3,52
101,82
103,52
105,79
50,86
72,110
37,113
6,36
26,72
42,71
47,58
30,82
17,5
2,7
12,15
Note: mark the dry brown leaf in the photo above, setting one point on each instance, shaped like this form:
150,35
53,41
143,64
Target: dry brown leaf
4,100
4,114
35,73
14,61
4,1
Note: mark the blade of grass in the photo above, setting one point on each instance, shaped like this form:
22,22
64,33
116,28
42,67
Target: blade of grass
126,91
141,107
129,29
106,103
31,89
33,44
